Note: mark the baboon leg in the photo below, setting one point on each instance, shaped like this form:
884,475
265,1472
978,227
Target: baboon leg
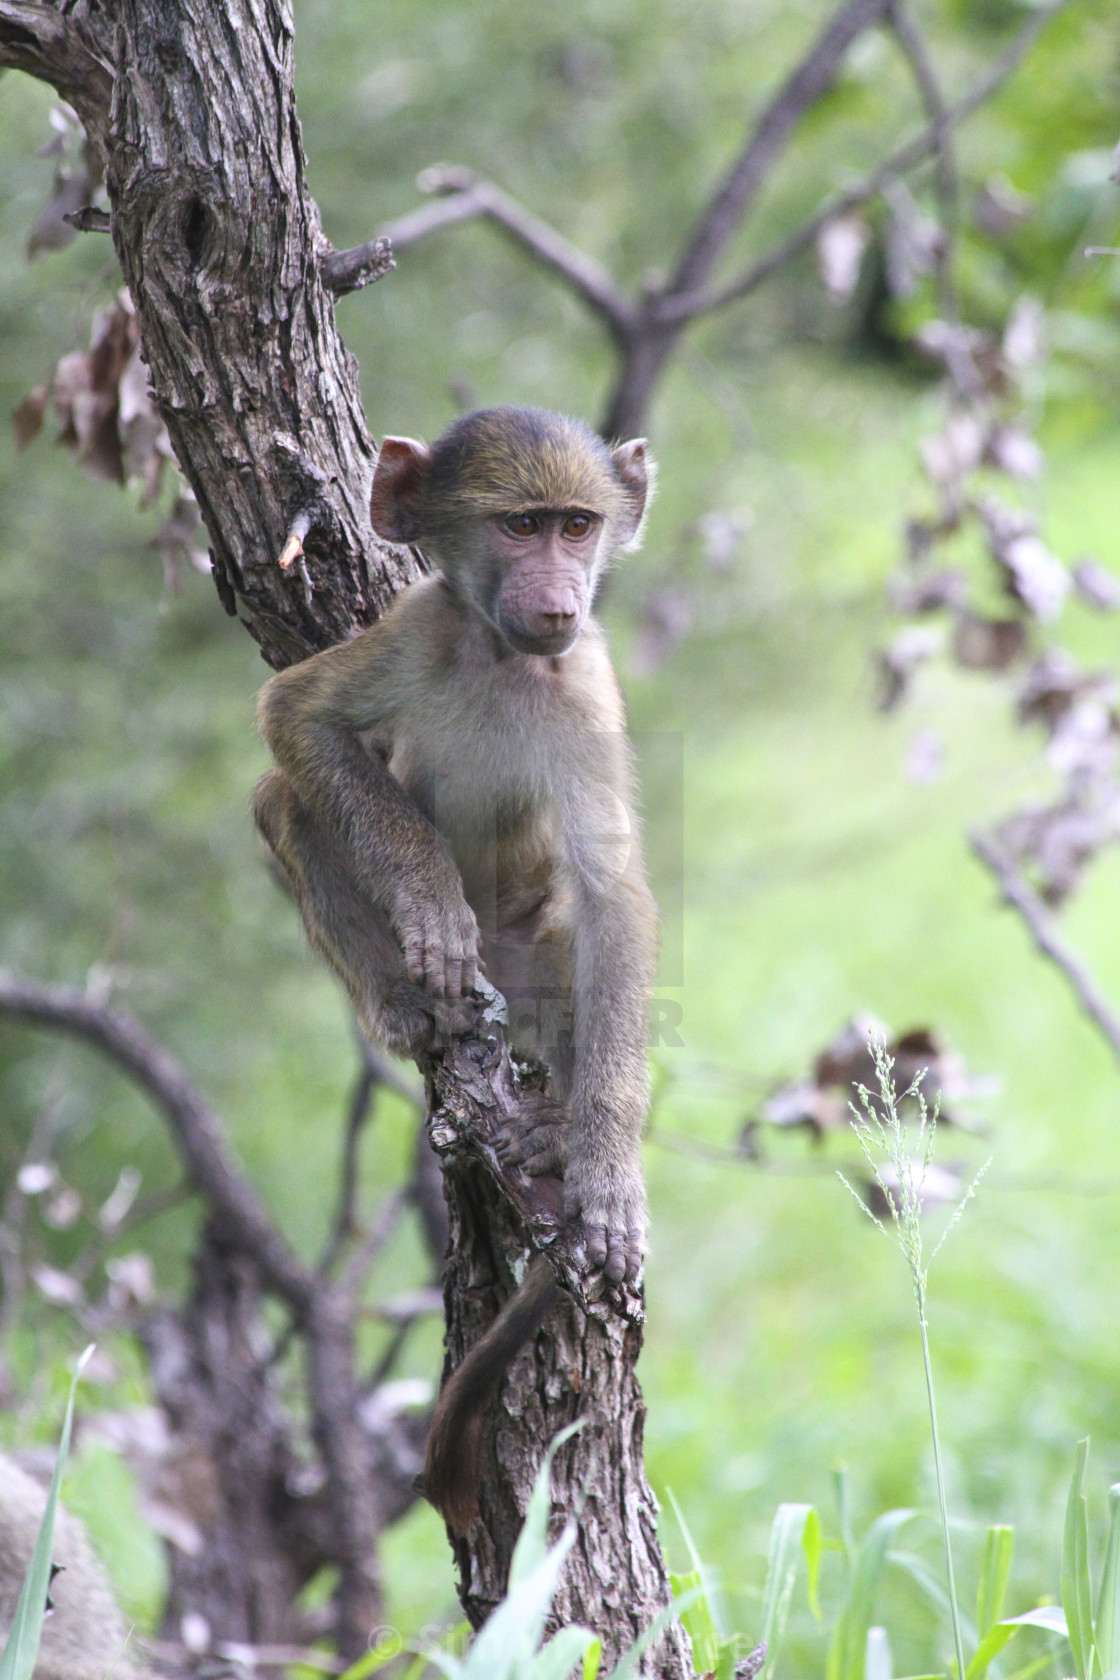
349,929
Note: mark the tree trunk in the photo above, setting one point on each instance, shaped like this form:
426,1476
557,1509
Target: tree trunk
255,1544
222,252
581,1365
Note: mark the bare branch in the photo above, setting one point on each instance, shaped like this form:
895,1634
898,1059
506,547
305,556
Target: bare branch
89,219
57,50
393,1350
381,1228
374,1071
1022,897
464,196
685,307
801,90
349,271
358,1117
917,55
193,1123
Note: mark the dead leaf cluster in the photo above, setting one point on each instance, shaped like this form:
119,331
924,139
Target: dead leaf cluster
985,435
821,1102
105,411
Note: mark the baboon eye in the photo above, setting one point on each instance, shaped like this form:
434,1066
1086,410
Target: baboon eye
577,525
522,524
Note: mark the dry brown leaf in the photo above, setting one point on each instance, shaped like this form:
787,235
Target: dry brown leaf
988,644
27,416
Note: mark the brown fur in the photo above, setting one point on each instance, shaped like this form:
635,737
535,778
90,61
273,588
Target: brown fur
454,789
451,1468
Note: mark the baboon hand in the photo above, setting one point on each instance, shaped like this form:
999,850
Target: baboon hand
410,1019
606,1204
439,937
537,1139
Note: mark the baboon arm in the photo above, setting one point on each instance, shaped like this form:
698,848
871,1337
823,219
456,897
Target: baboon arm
614,957
329,724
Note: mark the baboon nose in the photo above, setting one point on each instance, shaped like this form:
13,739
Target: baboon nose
558,609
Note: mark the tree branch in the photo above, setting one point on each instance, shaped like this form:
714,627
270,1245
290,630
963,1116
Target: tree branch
801,90
194,1125
914,49
349,271
60,51
464,196
1022,897
358,1117
673,309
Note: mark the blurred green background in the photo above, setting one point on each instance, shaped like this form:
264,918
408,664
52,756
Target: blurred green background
816,878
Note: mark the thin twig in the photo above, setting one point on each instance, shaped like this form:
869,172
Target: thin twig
381,1228
1022,897
1015,1184
385,1073
914,49
89,219
393,1350
805,85
360,1111
468,196
686,307
193,1123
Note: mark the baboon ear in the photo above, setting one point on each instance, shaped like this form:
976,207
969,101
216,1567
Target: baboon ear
398,483
636,472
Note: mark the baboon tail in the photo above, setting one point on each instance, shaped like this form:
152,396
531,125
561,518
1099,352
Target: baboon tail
451,1468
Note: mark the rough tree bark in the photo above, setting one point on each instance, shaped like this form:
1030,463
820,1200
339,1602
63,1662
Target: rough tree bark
193,109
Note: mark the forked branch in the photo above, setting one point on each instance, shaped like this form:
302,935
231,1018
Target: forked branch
464,196
683,308
193,1124
727,209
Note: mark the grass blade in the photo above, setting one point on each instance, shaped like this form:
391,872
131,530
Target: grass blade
512,1634
1048,1617
811,1544
1108,1605
563,1652
849,1640
627,1666
22,1646
697,1620
371,1662
786,1537
995,1571
1076,1587
705,1580
532,1542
